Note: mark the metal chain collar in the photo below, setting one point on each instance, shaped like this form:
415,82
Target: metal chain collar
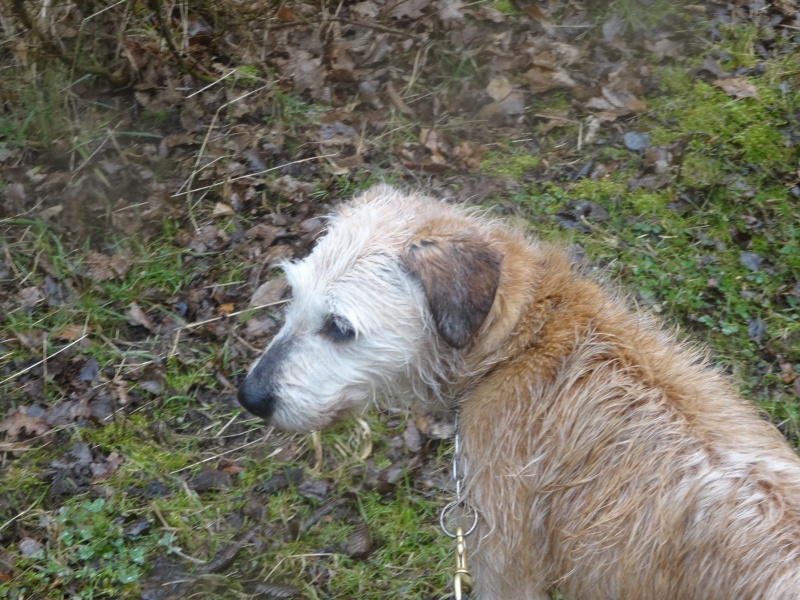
462,580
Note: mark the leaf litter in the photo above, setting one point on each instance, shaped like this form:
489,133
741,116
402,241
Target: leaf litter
240,144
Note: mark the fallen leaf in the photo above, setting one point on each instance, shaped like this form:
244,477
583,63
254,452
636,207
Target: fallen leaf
19,425
29,546
97,266
121,262
751,261
255,328
136,316
359,542
499,88
102,469
738,87
70,333
412,437
68,411
230,467
450,10
613,26
543,80
89,370
209,479
407,9
225,309
269,292
398,102
222,210
29,296
285,14
50,212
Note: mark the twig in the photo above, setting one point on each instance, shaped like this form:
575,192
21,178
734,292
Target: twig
294,162
23,513
155,6
36,364
379,27
216,456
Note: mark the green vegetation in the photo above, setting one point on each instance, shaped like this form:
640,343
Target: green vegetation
131,343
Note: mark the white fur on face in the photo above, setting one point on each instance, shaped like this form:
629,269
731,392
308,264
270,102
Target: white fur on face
355,274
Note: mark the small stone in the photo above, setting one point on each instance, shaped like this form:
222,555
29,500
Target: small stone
751,261
636,141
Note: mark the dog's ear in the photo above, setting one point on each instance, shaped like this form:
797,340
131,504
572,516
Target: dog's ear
459,277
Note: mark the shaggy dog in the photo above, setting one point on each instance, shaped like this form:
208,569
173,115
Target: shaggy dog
604,459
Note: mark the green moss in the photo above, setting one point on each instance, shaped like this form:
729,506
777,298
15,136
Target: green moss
602,191
507,7
720,133
511,165
738,42
153,118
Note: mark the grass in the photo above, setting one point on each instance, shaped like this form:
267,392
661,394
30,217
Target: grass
677,249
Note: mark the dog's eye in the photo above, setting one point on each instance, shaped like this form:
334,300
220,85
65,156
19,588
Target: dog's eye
338,329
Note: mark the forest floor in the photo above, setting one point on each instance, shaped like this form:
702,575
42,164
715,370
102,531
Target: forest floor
157,161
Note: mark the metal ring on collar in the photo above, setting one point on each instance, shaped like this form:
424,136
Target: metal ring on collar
446,510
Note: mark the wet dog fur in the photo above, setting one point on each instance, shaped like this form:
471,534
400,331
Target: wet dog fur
605,459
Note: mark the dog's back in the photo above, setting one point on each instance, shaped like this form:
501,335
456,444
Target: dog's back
610,461
604,458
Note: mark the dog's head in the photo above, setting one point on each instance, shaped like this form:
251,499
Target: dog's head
397,283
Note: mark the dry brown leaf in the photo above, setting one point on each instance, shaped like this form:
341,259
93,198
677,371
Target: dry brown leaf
470,155
450,10
229,467
341,62
29,296
407,9
20,426
666,48
285,14
499,88
536,14
308,74
119,391
68,412
269,292
121,262
97,266
52,211
136,316
398,102
33,338
555,118
225,309
255,328
222,210
543,80
738,87
70,333
103,469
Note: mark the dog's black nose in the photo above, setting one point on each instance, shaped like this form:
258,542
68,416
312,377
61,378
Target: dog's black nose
257,397
258,393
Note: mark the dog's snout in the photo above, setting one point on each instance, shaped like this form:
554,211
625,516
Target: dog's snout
257,398
258,393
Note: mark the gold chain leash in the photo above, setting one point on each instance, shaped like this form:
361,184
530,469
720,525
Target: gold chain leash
462,580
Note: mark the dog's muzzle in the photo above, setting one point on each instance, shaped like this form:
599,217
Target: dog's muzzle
258,392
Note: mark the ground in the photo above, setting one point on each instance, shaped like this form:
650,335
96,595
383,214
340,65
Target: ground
158,161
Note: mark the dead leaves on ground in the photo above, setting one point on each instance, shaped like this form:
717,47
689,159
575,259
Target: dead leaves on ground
423,86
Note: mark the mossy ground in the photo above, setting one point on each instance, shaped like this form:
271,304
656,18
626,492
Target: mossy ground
683,249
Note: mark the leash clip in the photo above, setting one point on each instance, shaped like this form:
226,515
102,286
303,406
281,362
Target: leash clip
462,580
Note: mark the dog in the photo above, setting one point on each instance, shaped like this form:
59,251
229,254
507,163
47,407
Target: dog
604,458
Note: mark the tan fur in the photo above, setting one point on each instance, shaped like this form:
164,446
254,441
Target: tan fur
605,459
